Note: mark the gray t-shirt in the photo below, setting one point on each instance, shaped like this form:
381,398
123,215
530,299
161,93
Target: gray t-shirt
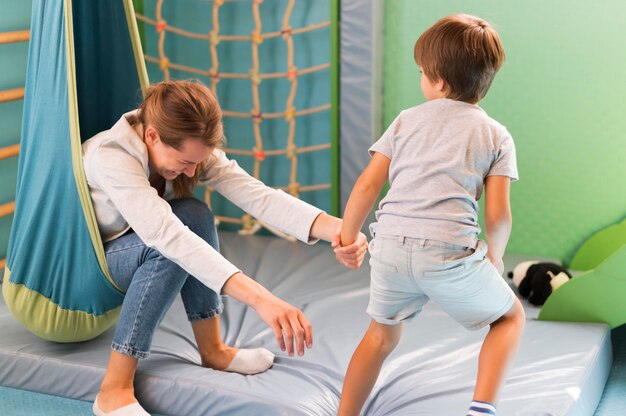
441,153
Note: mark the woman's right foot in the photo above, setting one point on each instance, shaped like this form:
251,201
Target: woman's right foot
242,361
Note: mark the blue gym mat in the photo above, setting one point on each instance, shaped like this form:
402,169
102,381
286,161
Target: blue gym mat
561,369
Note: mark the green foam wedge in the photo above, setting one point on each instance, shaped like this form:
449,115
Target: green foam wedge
599,247
598,295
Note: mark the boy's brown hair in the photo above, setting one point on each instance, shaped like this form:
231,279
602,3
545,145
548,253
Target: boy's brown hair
464,51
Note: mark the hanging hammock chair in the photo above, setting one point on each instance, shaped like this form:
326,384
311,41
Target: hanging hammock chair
85,69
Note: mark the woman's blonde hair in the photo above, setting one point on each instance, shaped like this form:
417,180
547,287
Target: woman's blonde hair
182,110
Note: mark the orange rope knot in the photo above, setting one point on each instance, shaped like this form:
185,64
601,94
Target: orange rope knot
292,74
257,38
258,154
161,25
257,118
164,63
258,2
218,2
255,76
290,113
214,38
248,221
214,75
294,188
286,32
291,151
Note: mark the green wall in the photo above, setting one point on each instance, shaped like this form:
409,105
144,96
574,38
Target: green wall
15,16
561,95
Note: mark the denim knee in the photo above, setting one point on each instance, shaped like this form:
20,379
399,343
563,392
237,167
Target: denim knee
196,215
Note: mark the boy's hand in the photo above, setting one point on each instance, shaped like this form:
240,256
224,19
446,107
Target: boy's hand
351,255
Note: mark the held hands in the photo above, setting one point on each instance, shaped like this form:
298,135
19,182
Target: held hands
287,322
351,255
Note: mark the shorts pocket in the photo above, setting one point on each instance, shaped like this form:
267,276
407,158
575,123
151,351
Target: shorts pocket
453,271
378,265
379,254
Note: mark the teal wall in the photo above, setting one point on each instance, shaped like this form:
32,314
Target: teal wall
561,95
15,16
314,89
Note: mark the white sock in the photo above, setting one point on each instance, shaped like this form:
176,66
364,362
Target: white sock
478,408
251,361
133,409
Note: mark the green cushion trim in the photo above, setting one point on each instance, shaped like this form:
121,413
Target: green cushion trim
77,154
49,321
600,246
595,296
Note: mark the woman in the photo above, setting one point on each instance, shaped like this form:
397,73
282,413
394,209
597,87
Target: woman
160,242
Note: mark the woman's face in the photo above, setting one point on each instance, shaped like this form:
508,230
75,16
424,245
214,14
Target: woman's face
170,162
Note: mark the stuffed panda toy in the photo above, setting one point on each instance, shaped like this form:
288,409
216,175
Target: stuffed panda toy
535,280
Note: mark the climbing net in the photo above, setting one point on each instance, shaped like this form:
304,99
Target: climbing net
256,116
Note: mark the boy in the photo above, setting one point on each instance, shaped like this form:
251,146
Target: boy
438,156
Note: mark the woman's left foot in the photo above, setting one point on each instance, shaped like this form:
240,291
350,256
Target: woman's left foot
242,361
133,409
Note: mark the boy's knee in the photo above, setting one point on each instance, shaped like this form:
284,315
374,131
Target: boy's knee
384,338
516,315
518,312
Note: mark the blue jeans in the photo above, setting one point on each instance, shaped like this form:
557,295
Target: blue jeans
152,281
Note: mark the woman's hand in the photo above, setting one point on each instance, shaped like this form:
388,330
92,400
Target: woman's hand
288,323
351,255
328,228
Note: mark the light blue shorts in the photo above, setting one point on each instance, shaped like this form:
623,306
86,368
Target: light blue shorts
407,272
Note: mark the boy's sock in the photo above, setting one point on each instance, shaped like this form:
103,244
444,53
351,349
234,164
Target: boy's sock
478,408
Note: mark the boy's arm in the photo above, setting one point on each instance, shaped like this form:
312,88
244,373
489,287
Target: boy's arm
363,197
326,227
498,218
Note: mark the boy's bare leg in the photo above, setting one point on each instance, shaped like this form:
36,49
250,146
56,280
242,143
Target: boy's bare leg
498,351
367,360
